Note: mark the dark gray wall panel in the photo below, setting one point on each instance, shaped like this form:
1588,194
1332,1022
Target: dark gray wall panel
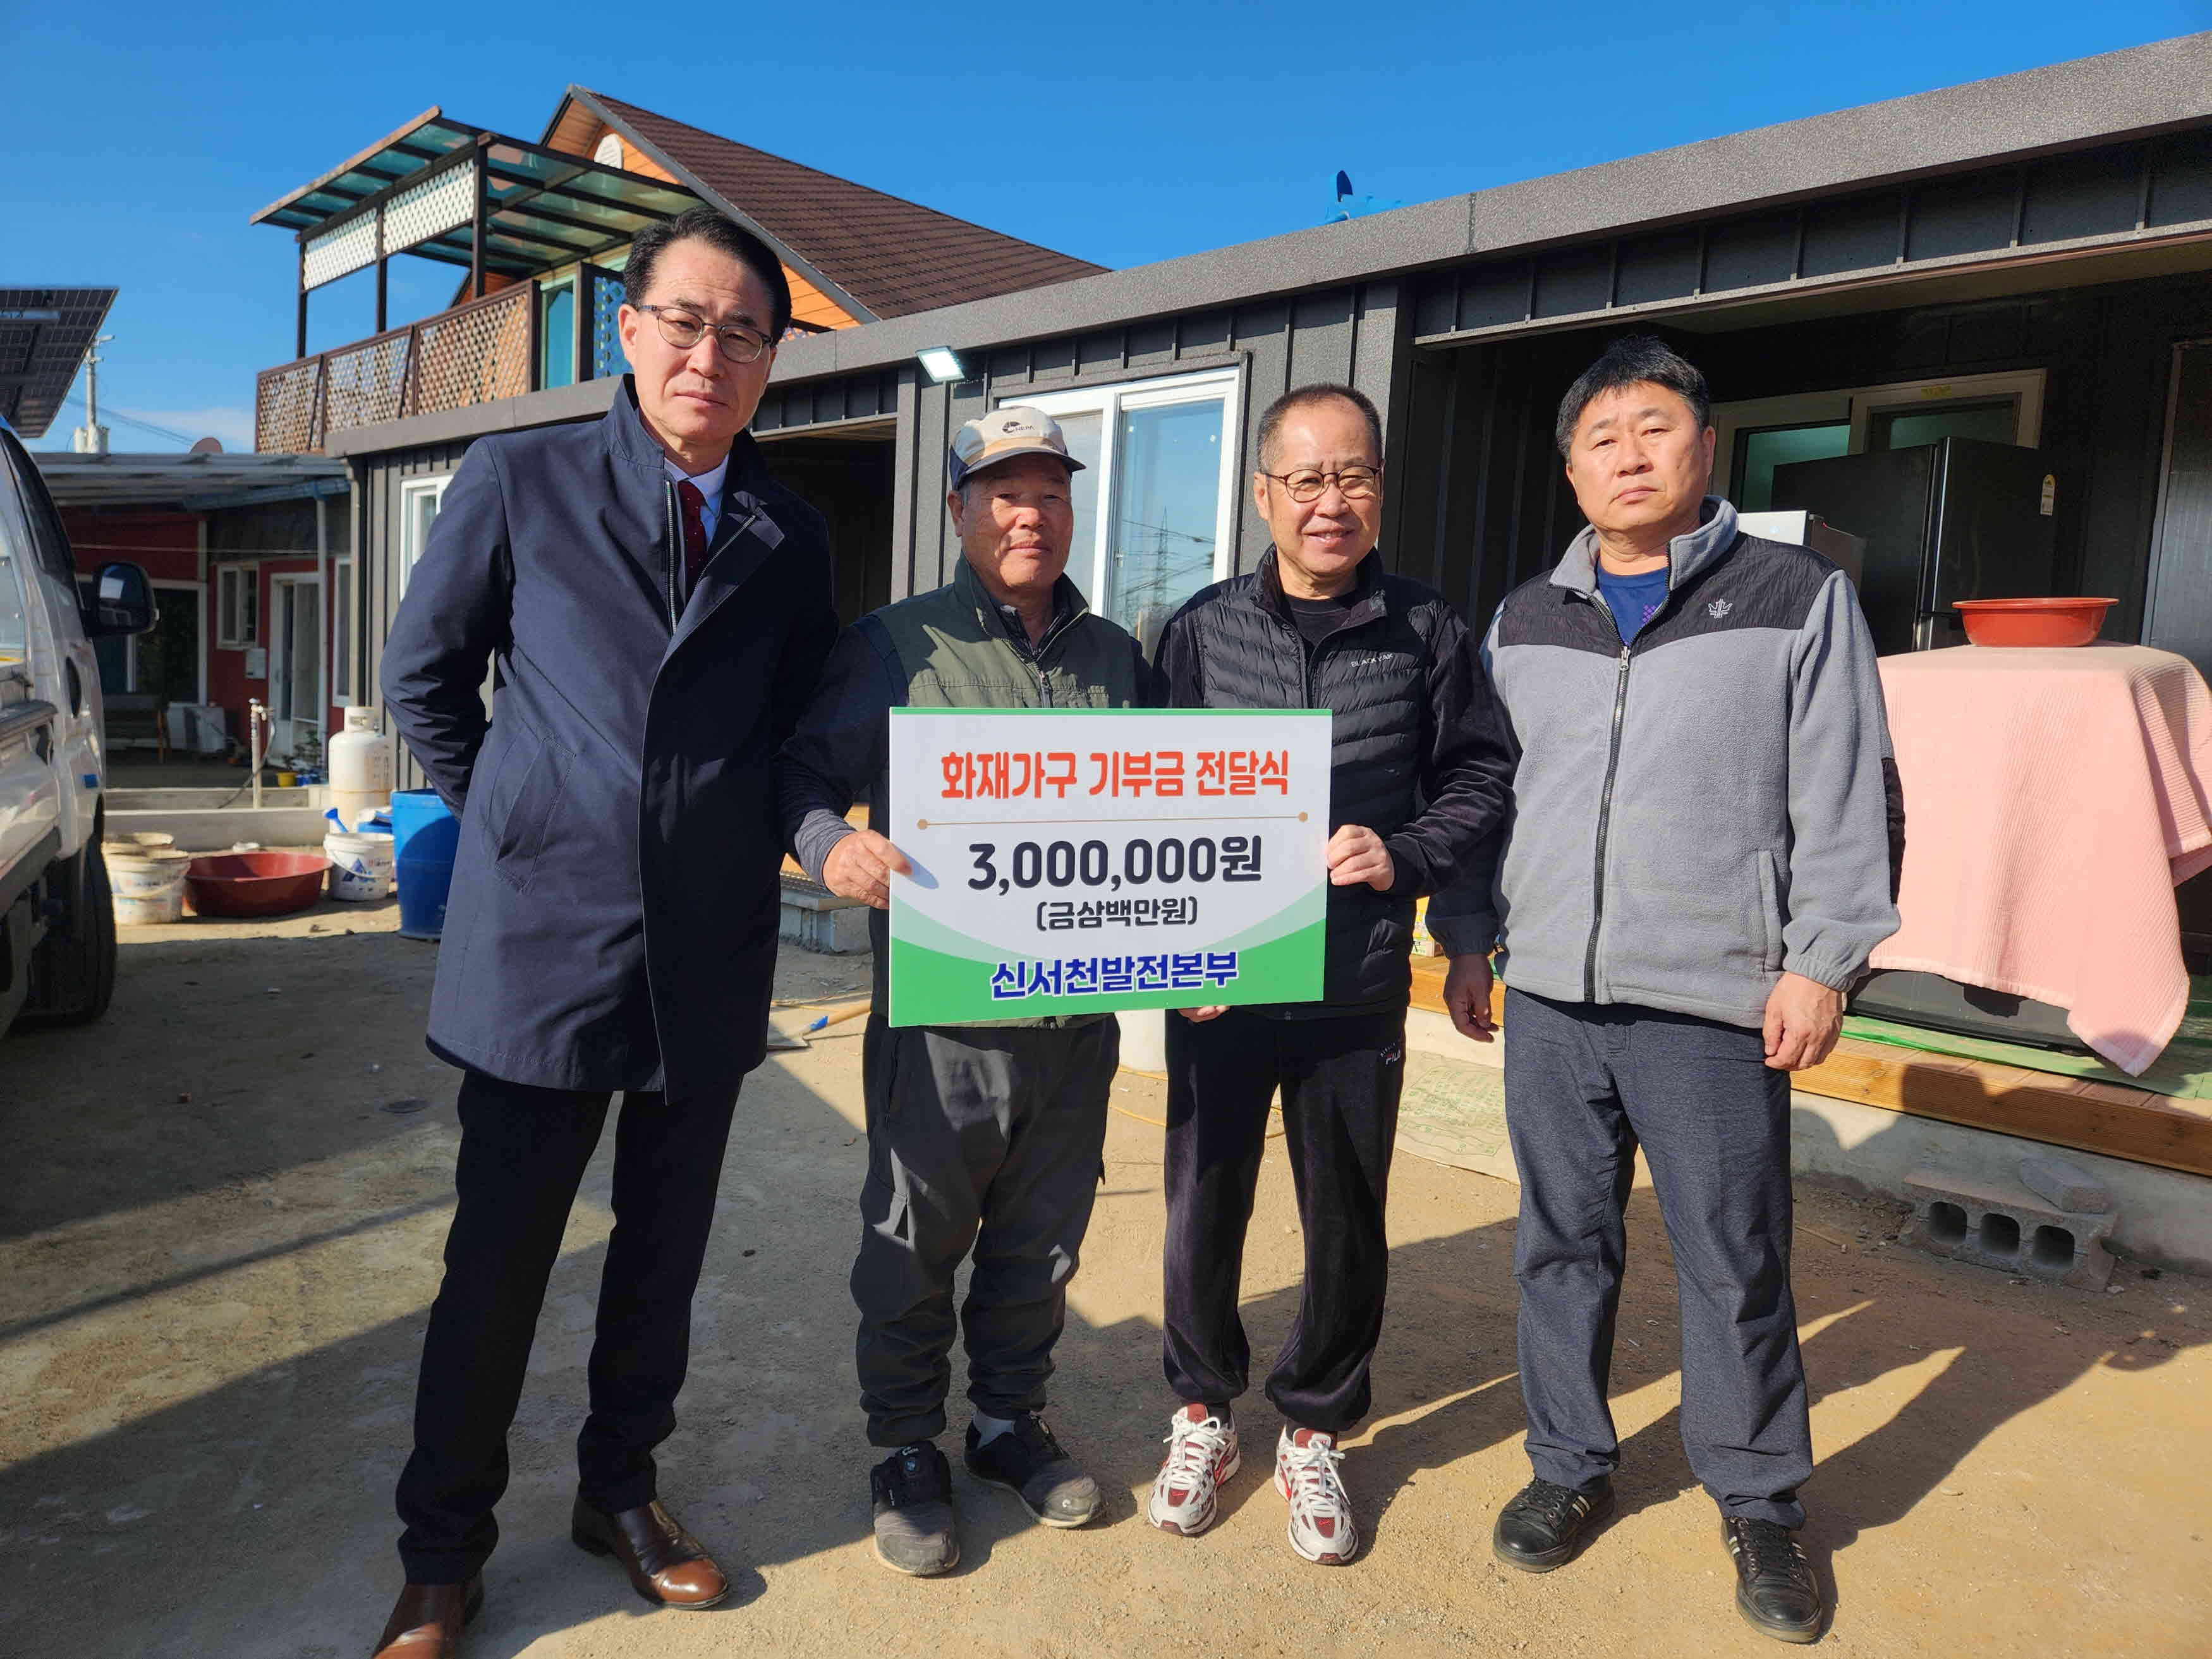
1052,359
2181,183
905,476
1857,234
1321,331
2181,611
1151,344
1968,217
378,578
933,434
857,396
1750,252
1203,335
1100,351
1663,267
1495,293
2091,195
1574,280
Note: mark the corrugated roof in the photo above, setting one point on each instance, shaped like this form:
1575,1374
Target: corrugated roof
195,481
892,256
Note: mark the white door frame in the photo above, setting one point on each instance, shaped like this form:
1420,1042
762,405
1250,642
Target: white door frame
1108,401
284,730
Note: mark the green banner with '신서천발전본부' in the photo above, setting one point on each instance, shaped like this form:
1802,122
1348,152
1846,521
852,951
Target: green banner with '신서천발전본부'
1070,862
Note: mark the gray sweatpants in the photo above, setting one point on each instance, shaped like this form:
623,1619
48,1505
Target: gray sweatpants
1585,1086
981,1136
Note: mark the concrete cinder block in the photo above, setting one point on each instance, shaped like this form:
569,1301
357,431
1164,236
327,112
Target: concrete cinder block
1997,1225
2069,1186
819,920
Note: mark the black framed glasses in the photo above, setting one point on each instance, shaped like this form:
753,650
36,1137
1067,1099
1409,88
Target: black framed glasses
683,331
1355,484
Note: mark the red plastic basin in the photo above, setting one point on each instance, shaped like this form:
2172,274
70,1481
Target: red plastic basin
2032,622
254,883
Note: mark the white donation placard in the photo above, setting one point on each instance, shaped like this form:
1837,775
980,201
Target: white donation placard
1083,860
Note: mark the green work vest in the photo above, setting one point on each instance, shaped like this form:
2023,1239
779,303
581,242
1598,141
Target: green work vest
955,654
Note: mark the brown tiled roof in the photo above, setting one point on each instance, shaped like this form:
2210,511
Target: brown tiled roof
892,256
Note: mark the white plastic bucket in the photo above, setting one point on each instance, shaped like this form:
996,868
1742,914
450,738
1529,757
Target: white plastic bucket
148,882
361,865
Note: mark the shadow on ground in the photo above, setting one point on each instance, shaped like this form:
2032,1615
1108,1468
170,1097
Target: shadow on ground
254,1518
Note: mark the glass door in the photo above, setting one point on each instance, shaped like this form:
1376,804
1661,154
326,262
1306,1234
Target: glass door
1155,507
1163,542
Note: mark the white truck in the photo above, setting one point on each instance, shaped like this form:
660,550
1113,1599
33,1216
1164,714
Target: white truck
56,918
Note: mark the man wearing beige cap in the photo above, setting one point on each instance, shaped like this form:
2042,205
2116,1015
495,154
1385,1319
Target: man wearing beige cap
987,1136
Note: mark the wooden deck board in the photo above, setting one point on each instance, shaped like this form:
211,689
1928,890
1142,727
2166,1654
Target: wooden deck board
2084,1114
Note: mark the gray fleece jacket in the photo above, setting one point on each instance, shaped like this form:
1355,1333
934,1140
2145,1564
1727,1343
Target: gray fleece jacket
1697,812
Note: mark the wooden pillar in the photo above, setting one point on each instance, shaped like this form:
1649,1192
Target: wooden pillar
382,264
301,346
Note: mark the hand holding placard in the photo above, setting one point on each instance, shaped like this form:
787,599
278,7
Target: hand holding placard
861,866
1356,854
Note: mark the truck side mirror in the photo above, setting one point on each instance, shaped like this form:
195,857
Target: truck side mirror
122,603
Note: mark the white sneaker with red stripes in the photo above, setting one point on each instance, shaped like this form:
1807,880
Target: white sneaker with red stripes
1322,1528
1202,1457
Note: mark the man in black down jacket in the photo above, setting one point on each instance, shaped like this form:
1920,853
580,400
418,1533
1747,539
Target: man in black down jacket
1420,770
658,608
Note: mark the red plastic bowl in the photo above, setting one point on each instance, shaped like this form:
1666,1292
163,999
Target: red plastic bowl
254,883
2032,622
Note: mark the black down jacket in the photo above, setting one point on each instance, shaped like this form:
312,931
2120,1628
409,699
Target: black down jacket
1419,745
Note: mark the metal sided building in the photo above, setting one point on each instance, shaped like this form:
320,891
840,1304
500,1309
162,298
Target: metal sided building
2027,259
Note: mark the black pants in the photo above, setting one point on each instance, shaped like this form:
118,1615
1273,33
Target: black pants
523,1153
982,1137
1584,1084
1341,1077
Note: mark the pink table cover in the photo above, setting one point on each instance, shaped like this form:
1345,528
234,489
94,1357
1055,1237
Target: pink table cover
2053,799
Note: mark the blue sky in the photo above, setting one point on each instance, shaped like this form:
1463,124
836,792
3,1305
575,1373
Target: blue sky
143,137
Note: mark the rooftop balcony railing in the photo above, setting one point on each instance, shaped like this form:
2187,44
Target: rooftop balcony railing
501,346
477,352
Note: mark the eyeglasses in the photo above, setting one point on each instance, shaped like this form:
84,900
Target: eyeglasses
1355,484
683,331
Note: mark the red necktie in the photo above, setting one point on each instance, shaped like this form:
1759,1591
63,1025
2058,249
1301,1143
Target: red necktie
695,531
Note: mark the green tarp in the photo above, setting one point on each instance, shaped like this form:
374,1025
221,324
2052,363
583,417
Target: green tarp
2185,1070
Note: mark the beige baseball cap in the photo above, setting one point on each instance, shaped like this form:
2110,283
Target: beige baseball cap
1004,433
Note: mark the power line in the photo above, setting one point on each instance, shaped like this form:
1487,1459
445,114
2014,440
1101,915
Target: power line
1179,535
114,414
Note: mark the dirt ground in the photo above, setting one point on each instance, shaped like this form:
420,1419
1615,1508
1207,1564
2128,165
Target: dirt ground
220,1232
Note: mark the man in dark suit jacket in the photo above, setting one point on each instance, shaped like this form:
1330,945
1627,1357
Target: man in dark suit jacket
659,610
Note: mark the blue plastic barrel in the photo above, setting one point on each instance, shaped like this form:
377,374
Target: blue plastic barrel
424,835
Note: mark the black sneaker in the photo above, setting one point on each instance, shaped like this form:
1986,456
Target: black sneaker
912,1490
1543,1525
1028,1463
1775,1589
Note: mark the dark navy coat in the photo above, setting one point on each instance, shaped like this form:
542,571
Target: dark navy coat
613,923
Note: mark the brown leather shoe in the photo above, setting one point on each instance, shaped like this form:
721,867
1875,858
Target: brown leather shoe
667,1566
426,1621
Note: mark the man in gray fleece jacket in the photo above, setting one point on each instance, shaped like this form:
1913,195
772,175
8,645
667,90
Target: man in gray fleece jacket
1700,857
